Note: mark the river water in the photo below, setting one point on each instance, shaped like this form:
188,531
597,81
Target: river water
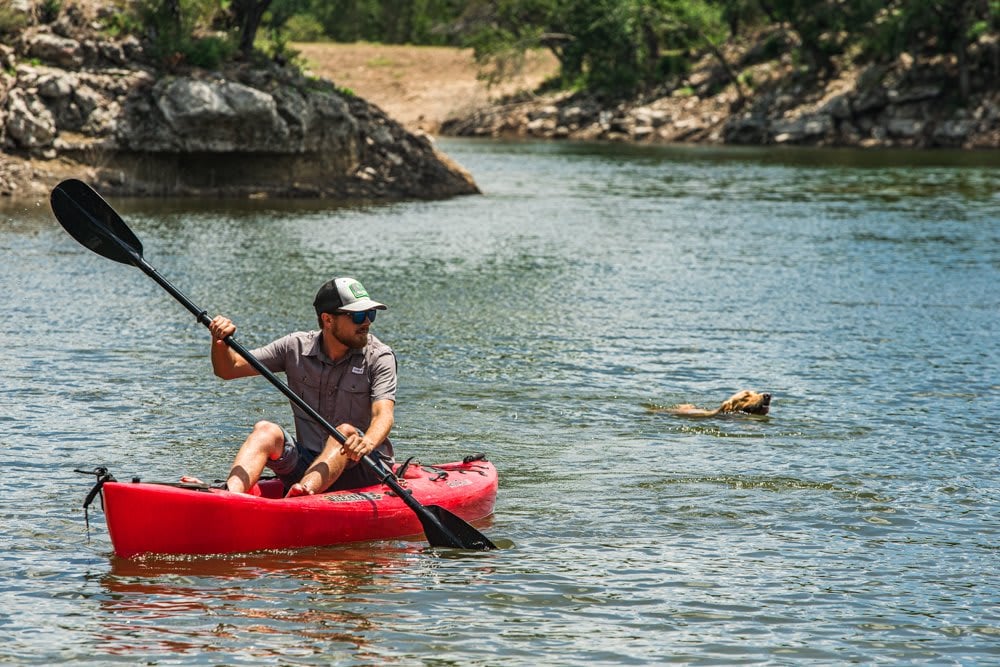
543,323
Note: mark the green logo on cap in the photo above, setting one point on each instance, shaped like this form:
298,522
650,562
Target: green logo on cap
358,290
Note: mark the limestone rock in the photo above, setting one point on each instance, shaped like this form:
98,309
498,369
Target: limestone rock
242,130
60,51
29,123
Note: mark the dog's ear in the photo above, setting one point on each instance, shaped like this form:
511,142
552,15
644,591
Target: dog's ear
740,401
733,403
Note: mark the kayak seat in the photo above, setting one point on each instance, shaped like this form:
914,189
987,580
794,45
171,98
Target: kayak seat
269,488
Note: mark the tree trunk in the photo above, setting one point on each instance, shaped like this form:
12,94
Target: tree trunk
961,51
741,96
248,15
173,12
652,52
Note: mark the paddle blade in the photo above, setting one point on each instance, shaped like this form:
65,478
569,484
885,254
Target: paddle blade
91,221
444,529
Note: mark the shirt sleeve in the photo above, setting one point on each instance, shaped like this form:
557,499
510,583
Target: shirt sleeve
274,354
383,377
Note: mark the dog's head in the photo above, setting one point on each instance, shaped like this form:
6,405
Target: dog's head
749,402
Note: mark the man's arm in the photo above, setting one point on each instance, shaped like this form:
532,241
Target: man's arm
378,430
330,463
226,363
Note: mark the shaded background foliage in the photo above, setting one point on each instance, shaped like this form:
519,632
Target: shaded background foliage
625,45
613,46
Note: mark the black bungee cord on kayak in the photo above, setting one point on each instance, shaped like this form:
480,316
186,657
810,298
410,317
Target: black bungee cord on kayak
102,476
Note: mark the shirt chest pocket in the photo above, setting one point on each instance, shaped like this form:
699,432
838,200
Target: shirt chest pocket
353,401
354,380
308,390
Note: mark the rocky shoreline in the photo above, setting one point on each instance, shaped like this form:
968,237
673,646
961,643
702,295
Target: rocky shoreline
75,103
908,103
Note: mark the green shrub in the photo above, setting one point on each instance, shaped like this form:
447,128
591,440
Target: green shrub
123,21
48,10
273,43
12,21
304,28
208,52
674,63
180,32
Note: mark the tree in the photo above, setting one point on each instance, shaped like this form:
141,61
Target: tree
948,27
932,27
613,46
501,31
825,27
693,24
248,15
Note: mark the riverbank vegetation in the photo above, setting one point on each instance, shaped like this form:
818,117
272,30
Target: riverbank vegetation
866,73
622,46
174,98
914,73
610,47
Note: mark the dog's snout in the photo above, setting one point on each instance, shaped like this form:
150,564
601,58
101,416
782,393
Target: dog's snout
767,399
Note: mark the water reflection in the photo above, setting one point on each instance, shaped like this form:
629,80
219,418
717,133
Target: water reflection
316,602
238,599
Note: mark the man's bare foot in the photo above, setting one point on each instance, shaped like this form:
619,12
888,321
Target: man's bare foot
297,490
187,479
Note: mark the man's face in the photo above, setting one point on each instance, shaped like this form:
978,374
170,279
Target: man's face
343,328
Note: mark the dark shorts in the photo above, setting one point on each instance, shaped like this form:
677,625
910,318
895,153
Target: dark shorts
296,459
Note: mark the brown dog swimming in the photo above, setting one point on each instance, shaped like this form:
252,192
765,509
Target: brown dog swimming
742,402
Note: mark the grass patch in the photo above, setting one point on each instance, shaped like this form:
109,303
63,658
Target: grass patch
381,61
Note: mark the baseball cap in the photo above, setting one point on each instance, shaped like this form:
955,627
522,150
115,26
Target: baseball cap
344,294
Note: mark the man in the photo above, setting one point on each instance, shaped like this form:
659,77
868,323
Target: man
343,372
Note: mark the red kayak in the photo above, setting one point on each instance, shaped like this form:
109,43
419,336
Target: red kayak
157,518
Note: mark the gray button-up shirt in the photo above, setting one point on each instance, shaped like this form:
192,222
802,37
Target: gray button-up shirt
341,392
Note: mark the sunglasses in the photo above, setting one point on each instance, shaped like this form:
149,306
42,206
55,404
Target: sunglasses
359,316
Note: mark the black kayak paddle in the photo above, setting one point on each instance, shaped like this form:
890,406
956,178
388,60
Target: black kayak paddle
90,220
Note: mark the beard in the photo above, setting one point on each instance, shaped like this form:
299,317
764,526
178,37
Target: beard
352,336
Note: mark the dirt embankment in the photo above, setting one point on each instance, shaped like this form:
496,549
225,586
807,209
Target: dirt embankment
419,86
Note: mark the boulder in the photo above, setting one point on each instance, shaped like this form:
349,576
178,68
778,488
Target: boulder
746,129
60,51
29,123
954,132
838,106
797,130
906,128
239,131
209,116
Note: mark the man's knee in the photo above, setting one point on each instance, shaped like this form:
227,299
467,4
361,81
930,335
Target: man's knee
269,429
269,435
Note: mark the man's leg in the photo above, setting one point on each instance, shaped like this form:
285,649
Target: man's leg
265,442
325,468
